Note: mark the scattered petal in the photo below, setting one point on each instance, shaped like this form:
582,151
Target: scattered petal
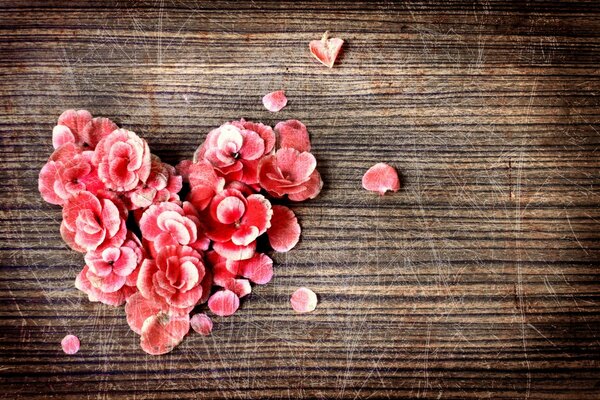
275,101
304,300
380,178
202,324
70,344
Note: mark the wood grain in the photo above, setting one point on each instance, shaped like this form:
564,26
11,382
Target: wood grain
479,279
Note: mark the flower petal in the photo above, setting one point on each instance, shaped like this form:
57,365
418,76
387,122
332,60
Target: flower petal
293,134
304,300
275,101
380,178
284,232
138,309
224,303
202,324
326,50
161,333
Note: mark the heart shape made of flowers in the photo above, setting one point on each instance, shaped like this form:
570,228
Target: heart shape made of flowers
187,252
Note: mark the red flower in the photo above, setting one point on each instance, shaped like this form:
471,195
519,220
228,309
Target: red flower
235,148
292,173
123,160
176,281
234,221
79,128
168,224
110,275
63,177
162,185
90,223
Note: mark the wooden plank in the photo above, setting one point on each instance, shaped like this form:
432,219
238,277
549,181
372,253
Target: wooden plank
479,279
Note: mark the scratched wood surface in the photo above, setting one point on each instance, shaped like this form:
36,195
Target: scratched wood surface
479,279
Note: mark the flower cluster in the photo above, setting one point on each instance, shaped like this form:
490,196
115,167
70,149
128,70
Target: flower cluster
201,249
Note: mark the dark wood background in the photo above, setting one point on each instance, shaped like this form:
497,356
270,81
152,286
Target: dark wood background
479,279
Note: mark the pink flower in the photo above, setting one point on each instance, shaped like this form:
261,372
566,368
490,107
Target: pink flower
90,223
235,148
168,224
176,281
160,331
380,178
284,232
110,275
123,160
292,173
68,175
234,221
79,128
162,185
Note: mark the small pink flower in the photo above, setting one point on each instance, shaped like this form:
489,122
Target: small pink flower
80,128
292,173
235,148
293,133
275,101
123,160
380,178
110,275
175,281
284,232
61,179
90,223
168,224
162,185
234,221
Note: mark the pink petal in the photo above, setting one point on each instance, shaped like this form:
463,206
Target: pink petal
61,134
275,101
75,120
310,188
326,50
70,344
293,134
144,281
97,129
380,178
161,333
202,324
232,251
224,303
258,213
138,309
259,269
304,300
230,209
253,147
241,287
245,235
264,131
284,232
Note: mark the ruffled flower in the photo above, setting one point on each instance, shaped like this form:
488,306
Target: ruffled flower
110,275
235,149
123,160
168,224
90,223
176,280
80,128
65,176
234,221
292,173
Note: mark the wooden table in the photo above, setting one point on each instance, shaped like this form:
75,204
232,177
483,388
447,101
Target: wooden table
479,279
